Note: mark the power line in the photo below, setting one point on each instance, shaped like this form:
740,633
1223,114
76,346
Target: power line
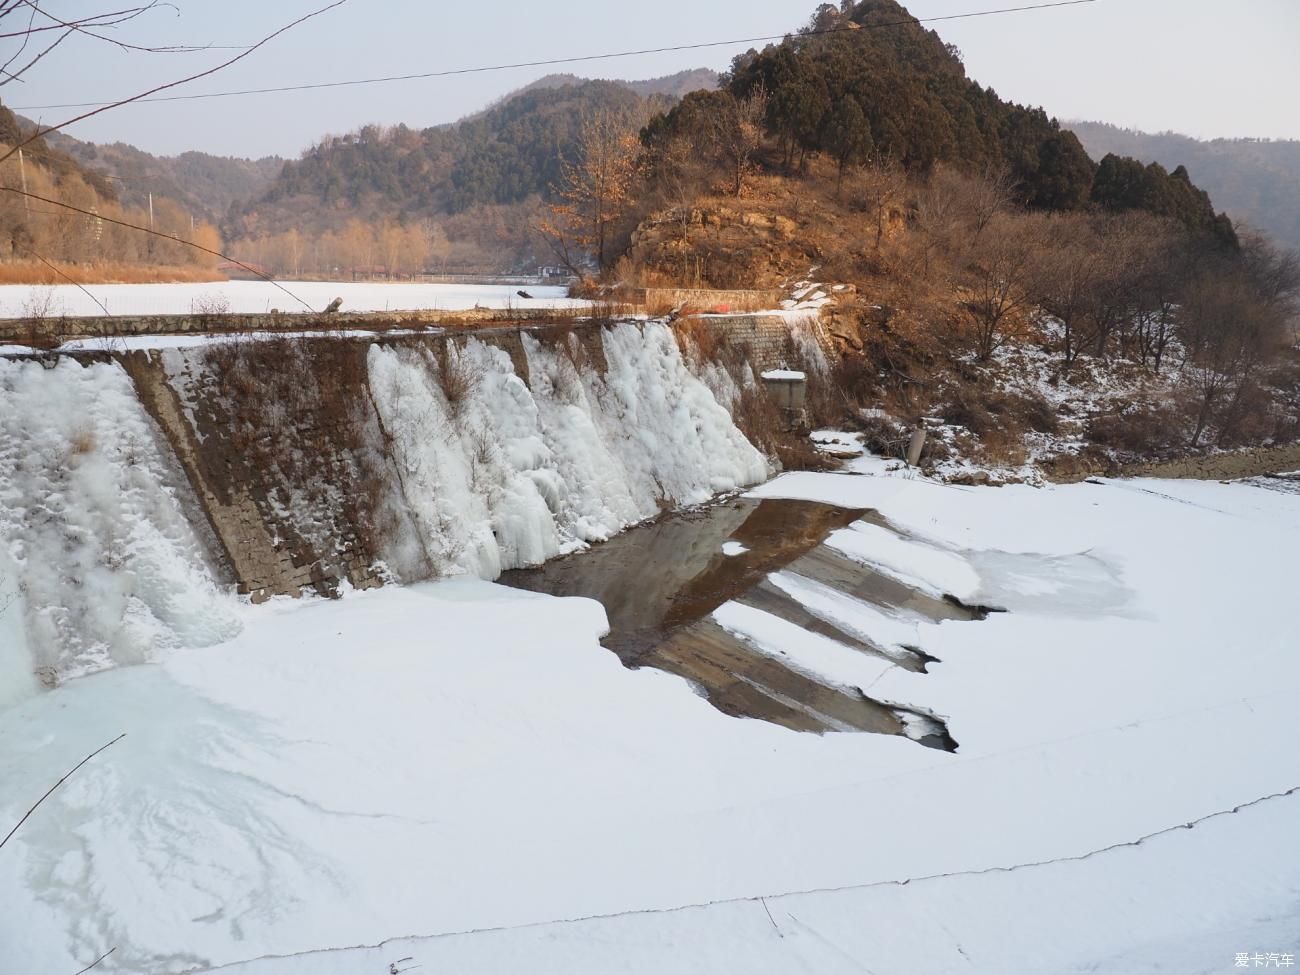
100,109
157,233
67,277
99,106
554,62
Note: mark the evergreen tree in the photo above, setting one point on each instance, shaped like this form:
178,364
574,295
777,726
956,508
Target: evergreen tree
848,134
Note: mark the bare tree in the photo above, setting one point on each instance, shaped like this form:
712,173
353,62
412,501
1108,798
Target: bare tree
1167,262
1070,268
1001,279
1265,323
594,190
1274,272
1113,293
1230,330
937,219
738,133
986,197
680,175
878,189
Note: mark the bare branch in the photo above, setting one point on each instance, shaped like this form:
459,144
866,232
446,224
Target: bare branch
17,75
65,778
174,84
98,20
95,20
27,36
83,28
97,962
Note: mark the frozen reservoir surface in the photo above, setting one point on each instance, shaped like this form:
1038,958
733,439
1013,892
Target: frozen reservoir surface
459,776
260,297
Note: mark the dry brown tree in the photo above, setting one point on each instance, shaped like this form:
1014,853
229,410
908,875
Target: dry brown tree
595,190
738,134
1001,278
1071,264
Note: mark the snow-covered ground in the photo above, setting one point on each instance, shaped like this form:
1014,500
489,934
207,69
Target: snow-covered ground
260,297
464,767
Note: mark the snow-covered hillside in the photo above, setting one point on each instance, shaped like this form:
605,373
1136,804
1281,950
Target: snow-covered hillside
463,766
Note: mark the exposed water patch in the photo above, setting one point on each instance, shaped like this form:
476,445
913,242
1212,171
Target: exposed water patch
672,572
744,599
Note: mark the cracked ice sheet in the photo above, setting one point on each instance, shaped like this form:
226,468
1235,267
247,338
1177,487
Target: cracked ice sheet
816,656
914,563
932,927
887,630
448,758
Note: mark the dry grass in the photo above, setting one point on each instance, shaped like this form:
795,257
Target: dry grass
210,306
1140,429
33,272
709,343
83,442
882,434
990,412
754,411
456,375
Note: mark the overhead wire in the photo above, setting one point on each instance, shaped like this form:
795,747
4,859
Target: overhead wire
548,62
577,59
157,233
173,84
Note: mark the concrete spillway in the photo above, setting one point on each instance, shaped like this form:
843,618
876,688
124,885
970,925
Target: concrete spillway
140,488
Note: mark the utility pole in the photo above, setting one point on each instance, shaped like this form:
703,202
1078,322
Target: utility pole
151,209
22,168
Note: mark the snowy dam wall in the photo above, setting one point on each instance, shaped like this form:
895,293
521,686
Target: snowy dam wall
139,488
767,338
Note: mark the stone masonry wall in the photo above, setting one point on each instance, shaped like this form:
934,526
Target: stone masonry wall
703,299
768,340
1227,466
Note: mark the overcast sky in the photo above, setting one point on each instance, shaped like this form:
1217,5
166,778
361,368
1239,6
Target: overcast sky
1203,67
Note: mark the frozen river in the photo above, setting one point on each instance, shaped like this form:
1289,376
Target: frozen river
260,297
445,759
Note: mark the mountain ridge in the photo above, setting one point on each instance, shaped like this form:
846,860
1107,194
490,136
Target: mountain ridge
199,181
1257,180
